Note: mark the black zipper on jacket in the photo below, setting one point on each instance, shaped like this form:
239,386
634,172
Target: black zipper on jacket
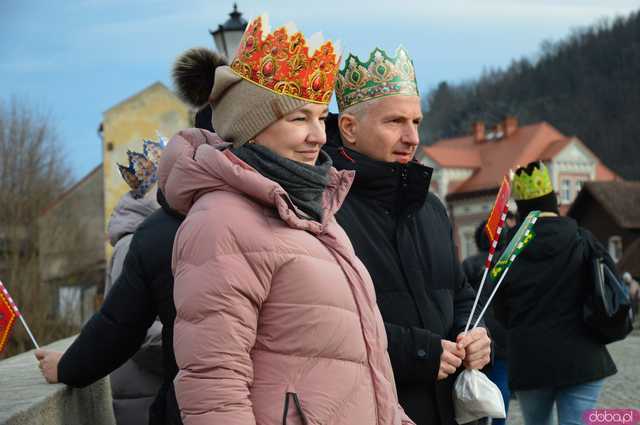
296,401
401,196
404,177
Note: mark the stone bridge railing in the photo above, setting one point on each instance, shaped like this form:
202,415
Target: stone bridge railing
25,397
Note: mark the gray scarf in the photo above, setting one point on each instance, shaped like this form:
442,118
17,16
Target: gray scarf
305,184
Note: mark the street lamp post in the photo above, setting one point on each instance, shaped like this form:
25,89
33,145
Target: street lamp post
228,35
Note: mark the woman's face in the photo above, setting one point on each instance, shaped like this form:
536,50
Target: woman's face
298,135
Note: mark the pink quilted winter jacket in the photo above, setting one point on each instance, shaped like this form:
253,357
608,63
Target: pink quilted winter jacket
277,320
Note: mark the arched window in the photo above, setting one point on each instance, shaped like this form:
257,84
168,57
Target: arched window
615,248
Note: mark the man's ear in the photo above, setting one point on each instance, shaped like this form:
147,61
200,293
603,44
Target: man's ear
348,125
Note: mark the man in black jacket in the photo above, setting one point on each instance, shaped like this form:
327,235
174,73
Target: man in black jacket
114,334
403,235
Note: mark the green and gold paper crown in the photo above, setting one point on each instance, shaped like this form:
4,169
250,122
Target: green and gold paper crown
380,76
531,182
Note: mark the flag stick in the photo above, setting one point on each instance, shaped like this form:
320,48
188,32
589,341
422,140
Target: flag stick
29,332
475,302
487,265
491,297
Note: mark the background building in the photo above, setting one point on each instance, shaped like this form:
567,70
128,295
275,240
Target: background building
74,260
468,170
71,245
154,111
610,211
74,247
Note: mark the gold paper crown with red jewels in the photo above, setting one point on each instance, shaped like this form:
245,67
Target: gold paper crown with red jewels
282,63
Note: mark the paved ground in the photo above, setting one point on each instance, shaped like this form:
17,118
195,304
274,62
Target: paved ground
621,390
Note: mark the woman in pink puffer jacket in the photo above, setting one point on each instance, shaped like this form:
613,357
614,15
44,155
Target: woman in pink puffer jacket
276,320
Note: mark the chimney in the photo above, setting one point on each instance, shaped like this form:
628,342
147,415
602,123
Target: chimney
478,131
510,125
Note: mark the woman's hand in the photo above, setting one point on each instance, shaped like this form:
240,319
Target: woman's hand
48,363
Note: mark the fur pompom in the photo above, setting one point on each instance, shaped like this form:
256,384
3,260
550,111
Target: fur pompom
193,74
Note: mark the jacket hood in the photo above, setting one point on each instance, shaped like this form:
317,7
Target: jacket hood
552,236
166,207
128,214
197,161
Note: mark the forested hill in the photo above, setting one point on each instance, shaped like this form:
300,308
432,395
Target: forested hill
587,85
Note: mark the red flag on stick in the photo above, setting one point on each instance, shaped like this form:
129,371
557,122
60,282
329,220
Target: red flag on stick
498,215
494,226
8,314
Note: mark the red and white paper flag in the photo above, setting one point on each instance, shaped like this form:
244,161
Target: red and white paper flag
9,312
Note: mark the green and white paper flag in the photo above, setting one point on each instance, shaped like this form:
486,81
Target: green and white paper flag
522,238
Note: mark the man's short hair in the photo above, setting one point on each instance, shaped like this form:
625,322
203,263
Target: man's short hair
359,110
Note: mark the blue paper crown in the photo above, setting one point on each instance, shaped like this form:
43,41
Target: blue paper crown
142,172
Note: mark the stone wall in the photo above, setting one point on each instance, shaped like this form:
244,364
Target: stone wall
26,398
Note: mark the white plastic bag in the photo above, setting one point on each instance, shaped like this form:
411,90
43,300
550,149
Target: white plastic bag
476,397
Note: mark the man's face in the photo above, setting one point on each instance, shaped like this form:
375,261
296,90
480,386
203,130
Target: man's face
387,130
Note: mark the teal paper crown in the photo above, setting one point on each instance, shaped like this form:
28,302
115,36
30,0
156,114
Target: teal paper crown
380,76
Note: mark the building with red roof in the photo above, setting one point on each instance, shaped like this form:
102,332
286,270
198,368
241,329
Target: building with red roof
468,170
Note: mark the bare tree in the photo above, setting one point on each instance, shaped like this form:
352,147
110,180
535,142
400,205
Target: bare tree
33,172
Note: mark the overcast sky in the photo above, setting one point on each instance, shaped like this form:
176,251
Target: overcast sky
77,58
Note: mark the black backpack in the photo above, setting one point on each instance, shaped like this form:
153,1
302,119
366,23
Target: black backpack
607,308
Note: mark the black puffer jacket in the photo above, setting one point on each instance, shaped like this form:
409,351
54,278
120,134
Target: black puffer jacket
540,302
402,234
143,292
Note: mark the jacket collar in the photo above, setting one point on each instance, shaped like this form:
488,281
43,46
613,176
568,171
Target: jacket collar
395,187
196,162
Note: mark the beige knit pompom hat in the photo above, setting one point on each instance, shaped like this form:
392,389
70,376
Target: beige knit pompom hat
269,77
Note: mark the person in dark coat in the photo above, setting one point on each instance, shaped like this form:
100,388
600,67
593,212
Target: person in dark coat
553,357
403,235
474,267
143,292
114,334
134,385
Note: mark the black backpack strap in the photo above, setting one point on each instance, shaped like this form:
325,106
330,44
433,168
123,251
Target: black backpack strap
597,250
586,239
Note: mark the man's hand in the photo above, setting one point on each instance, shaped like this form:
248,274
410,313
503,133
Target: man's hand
450,359
477,345
49,364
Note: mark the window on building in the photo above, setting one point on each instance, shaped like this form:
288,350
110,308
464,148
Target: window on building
69,303
468,243
615,248
579,184
565,190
